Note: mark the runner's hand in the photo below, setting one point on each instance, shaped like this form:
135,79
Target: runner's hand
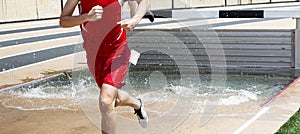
129,24
95,13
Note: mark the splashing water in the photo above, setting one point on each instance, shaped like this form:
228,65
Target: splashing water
239,90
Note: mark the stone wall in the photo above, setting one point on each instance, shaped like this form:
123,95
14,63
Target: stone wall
16,10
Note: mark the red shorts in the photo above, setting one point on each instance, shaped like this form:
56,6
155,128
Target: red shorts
110,63
112,69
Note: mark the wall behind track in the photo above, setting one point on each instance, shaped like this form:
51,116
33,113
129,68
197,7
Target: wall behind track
246,51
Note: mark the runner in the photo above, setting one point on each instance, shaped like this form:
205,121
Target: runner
107,53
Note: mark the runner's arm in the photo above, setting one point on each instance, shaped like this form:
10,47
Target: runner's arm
133,7
68,20
142,8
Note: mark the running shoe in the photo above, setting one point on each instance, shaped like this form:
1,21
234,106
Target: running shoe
142,115
149,15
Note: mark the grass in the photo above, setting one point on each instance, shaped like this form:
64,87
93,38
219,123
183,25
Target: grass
52,72
292,126
27,79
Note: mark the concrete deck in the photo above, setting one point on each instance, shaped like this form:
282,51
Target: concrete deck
268,120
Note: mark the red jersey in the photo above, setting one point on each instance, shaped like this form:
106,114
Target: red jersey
106,30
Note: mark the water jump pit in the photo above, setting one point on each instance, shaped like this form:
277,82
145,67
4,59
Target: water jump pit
166,98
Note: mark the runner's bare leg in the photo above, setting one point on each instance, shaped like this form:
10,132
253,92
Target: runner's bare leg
109,98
